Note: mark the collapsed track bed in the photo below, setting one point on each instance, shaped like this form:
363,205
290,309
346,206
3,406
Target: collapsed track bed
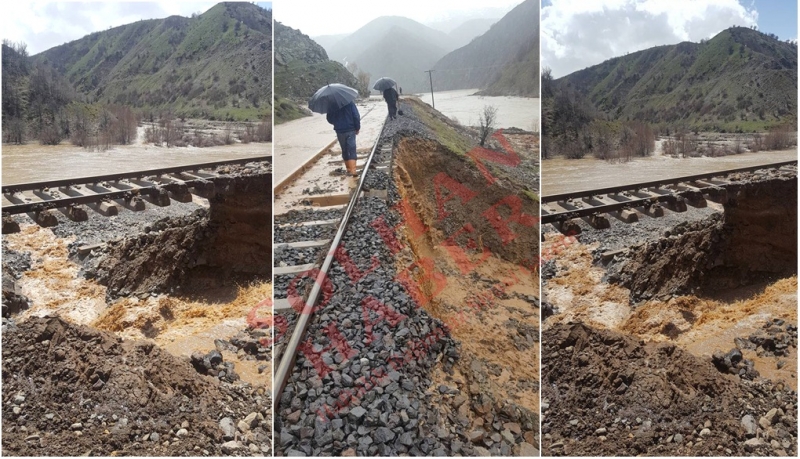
151,341
684,341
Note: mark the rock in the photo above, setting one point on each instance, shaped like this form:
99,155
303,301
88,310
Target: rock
480,451
772,416
753,443
383,435
677,438
476,435
705,432
251,419
182,433
76,426
749,425
230,447
18,399
528,450
154,437
243,426
349,452
764,422
601,431
16,410
357,413
227,427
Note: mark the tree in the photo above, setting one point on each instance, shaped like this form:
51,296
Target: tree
363,83
487,121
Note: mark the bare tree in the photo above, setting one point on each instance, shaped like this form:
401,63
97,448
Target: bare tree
487,121
363,83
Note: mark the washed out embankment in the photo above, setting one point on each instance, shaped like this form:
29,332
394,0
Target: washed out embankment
191,283
683,344
379,371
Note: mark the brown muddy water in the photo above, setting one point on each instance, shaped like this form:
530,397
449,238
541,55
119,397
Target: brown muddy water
33,162
561,175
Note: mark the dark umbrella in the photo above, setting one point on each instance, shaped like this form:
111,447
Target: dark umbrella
331,97
384,84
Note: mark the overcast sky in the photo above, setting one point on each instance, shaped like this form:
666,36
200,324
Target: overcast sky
576,35
331,17
44,25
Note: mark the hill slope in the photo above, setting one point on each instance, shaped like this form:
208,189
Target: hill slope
217,64
741,79
396,47
505,49
301,67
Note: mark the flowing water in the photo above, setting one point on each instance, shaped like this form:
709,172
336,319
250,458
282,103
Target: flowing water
561,175
33,162
518,112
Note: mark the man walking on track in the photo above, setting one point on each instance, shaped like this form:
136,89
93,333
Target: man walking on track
347,123
391,97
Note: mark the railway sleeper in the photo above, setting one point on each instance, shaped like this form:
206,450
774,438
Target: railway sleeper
598,221
9,225
569,227
626,215
653,210
46,218
77,213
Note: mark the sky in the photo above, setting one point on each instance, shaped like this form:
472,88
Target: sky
43,25
333,17
576,35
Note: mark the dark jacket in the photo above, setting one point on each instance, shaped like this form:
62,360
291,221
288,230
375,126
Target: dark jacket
345,119
390,95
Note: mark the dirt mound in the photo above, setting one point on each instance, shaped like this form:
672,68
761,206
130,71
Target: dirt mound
71,390
606,394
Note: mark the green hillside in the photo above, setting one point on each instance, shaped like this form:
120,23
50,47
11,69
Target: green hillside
301,68
740,80
216,65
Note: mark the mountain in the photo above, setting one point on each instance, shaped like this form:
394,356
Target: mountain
326,41
395,47
301,67
379,30
740,79
464,33
214,65
402,56
505,48
518,78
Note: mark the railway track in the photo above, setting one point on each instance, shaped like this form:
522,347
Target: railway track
627,202
314,236
106,194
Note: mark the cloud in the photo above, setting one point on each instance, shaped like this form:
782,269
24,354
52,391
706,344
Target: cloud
45,25
576,35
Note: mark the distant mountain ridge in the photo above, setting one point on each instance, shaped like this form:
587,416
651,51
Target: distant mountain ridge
740,78
217,64
502,58
396,47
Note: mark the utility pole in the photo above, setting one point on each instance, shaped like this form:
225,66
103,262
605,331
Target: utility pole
430,75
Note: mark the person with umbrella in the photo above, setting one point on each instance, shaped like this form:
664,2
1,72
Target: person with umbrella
390,95
336,100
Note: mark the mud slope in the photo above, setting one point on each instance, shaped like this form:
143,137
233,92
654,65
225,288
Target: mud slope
654,399
70,390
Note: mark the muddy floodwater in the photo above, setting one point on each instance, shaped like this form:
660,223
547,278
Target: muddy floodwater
518,112
35,163
561,175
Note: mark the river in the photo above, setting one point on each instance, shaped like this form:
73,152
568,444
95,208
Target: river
518,112
561,175
33,162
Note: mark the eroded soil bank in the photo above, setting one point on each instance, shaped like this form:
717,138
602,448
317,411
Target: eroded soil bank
154,334
683,344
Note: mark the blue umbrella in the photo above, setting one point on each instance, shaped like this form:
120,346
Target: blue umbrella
331,97
384,84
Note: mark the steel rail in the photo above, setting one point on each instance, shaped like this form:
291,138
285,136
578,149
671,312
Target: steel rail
639,201
14,188
289,355
660,182
38,206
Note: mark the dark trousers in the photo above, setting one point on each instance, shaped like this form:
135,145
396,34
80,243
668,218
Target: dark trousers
392,109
